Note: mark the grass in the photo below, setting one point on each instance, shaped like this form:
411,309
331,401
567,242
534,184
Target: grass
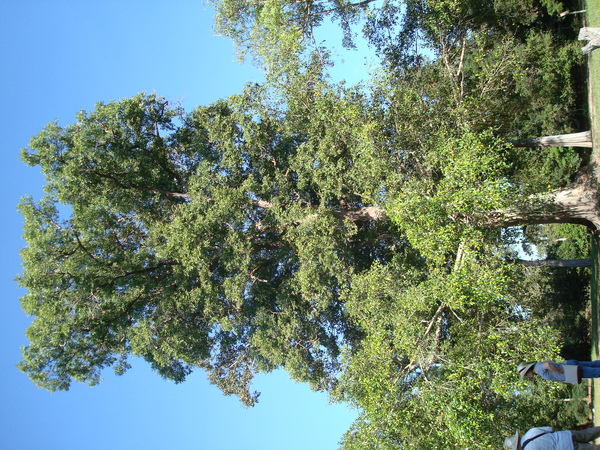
592,19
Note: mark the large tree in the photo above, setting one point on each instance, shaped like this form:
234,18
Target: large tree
231,238
217,239
357,237
221,238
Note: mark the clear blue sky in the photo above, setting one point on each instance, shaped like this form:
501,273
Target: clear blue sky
62,56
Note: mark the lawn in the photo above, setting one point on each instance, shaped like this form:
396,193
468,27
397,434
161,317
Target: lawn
592,19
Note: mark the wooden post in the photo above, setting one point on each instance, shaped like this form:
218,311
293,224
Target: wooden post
593,36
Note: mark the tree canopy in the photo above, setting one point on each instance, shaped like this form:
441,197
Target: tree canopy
361,237
217,239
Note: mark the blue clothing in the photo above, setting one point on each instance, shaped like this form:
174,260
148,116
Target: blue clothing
559,440
547,374
589,369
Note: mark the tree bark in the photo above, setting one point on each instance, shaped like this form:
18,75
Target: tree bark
364,213
574,204
593,36
583,139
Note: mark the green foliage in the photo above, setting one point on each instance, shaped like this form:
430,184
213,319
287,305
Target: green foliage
570,241
445,348
255,233
467,180
525,85
256,28
212,240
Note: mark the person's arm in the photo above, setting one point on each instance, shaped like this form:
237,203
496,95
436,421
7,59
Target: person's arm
553,367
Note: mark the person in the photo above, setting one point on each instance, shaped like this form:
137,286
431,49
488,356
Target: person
552,371
545,438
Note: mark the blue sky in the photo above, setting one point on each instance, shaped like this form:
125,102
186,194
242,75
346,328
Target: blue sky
59,57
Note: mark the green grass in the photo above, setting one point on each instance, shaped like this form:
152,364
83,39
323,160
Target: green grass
592,19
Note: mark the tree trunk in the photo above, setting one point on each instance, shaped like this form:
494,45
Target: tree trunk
556,263
364,213
583,139
574,204
593,36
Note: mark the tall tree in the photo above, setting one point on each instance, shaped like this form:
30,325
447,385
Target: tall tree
218,239
355,237
221,239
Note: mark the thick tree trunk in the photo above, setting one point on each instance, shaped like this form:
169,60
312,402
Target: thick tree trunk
593,36
583,139
556,263
575,204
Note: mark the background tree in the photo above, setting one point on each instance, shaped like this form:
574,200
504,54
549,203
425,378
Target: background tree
563,294
256,28
445,348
